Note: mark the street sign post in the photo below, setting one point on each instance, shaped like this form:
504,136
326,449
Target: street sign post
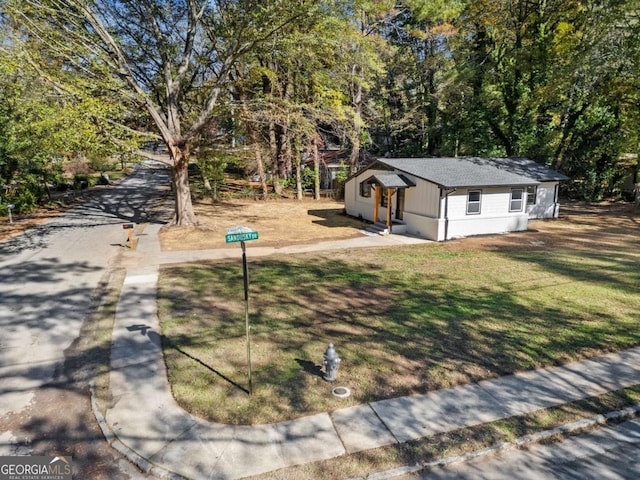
243,234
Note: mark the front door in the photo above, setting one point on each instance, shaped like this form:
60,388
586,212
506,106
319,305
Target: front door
400,203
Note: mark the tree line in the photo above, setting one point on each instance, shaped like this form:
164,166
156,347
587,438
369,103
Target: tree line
273,81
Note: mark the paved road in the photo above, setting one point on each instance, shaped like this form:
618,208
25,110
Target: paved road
48,281
606,453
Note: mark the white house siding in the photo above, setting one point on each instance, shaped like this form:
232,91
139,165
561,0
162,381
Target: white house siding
425,227
357,206
423,205
546,202
423,199
421,210
494,216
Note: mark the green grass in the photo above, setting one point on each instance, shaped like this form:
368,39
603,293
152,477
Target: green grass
404,321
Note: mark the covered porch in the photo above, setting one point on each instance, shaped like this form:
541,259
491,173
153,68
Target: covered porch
388,187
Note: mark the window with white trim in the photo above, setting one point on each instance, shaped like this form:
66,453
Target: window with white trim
532,194
517,200
474,198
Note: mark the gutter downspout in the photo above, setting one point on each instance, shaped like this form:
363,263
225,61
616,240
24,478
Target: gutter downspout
446,210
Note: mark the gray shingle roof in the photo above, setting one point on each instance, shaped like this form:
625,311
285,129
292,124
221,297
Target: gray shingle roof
391,180
474,171
528,168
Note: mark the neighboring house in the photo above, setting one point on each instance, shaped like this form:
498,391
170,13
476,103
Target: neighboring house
444,198
332,160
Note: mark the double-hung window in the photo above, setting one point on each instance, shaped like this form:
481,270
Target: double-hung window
473,202
517,200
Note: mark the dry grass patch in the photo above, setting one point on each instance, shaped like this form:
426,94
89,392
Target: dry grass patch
277,221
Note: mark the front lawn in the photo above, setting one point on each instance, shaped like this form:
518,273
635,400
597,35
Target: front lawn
403,320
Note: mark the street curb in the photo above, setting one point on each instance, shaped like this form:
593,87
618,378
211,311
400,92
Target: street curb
611,417
114,442
159,472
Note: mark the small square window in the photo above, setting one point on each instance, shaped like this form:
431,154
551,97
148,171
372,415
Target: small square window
517,197
365,189
473,202
532,195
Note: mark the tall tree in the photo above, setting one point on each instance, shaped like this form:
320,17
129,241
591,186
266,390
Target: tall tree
543,79
173,58
300,85
420,32
363,45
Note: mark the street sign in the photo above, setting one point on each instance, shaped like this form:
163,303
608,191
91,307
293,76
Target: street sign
240,234
240,237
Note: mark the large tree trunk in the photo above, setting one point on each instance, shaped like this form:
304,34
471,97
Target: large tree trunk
636,181
184,214
273,147
261,172
316,169
356,95
298,162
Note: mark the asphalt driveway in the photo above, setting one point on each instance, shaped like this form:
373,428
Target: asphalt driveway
49,277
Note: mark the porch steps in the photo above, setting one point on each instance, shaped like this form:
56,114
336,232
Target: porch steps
379,228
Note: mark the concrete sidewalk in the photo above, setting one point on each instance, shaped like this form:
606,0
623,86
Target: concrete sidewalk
171,443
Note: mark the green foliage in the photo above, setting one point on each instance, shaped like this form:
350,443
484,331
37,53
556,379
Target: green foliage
552,80
212,165
84,180
308,178
42,125
342,174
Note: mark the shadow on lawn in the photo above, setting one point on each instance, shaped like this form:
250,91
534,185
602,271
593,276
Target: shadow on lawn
310,367
336,217
170,344
414,319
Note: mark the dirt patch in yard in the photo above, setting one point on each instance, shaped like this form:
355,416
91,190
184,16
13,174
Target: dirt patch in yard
580,225
278,222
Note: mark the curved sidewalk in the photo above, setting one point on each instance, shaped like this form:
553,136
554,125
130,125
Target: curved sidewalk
145,418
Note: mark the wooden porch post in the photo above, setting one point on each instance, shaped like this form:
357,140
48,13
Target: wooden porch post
376,205
389,190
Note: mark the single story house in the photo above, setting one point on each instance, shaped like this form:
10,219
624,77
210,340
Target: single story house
445,198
